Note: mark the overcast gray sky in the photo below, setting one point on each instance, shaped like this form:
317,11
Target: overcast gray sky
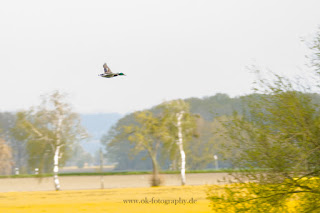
168,49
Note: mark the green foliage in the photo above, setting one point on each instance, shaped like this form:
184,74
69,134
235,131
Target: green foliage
279,134
315,48
215,106
140,136
6,122
147,135
45,127
5,158
201,149
118,148
79,157
18,147
169,111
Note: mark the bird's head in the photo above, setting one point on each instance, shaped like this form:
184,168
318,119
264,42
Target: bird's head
121,73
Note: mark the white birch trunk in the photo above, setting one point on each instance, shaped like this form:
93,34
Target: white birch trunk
180,145
57,154
56,168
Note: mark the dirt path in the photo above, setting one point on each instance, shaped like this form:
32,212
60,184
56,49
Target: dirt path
110,181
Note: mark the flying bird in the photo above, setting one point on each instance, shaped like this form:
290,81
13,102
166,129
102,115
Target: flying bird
108,73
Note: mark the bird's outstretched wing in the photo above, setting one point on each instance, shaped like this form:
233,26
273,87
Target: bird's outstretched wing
107,70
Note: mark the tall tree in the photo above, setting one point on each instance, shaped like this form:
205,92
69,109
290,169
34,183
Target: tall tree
51,129
181,126
146,134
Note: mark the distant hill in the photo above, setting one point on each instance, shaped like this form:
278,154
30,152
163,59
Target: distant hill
214,106
97,125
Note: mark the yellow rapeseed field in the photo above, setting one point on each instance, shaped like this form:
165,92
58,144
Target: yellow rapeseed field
154,199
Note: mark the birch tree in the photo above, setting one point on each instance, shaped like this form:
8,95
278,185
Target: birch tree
51,130
180,125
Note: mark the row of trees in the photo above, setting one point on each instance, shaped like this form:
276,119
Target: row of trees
199,149
45,136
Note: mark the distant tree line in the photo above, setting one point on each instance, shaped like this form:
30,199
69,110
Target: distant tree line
210,115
